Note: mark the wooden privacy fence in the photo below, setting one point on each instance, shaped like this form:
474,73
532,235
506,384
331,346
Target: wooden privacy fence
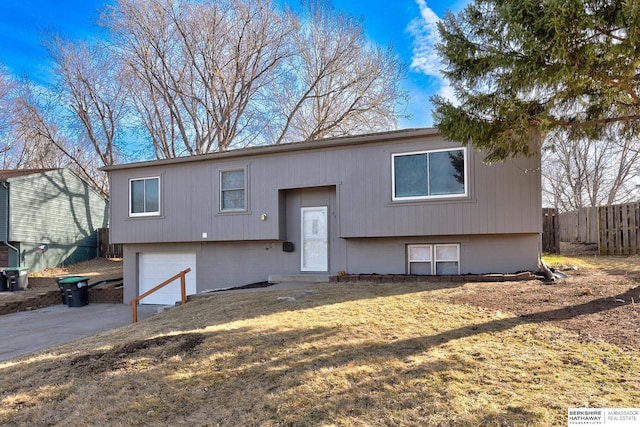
579,226
550,235
615,228
619,229
106,249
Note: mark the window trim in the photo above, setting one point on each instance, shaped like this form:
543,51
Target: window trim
430,260
145,214
221,208
433,260
427,197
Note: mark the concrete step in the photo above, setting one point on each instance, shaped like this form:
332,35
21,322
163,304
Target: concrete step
163,308
304,278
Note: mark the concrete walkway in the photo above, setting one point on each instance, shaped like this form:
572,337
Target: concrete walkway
28,331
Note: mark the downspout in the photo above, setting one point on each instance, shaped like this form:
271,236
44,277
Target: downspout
6,228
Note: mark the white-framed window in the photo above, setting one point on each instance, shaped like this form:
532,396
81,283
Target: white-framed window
233,190
447,260
434,259
419,259
144,196
429,174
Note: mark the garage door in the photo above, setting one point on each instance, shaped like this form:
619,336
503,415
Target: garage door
156,268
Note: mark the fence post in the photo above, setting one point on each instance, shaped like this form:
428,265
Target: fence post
550,230
598,220
183,287
134,309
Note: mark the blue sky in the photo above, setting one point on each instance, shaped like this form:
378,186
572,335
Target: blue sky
408,24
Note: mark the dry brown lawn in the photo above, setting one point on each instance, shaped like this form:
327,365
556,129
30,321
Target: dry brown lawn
352,354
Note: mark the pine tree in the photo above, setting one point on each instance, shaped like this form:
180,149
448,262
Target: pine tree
527,67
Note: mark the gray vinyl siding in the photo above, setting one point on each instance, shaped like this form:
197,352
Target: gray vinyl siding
220,265
497,224
231,264
480,254
503,198
190,207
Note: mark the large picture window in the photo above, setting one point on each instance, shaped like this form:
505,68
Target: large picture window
232,190
430,174
440,260
144,196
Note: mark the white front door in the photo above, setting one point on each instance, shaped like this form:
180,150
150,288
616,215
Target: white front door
155,268
315,244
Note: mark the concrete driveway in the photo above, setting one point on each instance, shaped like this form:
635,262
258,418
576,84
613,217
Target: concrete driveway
28,331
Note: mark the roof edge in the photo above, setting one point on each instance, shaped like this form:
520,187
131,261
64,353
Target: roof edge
283,148
10,174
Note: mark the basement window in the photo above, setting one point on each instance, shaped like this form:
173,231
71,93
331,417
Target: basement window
440,259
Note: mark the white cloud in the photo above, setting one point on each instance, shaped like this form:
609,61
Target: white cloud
447,92
424,31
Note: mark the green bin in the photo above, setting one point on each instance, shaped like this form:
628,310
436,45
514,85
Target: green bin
75,290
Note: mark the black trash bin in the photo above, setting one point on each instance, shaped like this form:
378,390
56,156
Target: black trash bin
63,289
17,278
75,290
3,282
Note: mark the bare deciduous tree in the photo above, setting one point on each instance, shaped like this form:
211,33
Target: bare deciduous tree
337,83
89,83
19,148
197,68
75,124
7,86
582,173
40,141
196,77
208,76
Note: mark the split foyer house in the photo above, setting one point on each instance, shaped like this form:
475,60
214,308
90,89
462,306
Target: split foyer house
401,202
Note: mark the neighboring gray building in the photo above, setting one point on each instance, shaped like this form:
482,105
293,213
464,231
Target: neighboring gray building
48,206
389,203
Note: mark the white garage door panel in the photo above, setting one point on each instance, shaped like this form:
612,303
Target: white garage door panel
156,268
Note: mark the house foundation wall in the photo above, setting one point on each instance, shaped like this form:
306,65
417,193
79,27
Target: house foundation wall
231,264
479,254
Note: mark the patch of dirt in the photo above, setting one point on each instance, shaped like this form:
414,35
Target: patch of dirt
596,304
148,351
96,269
578,248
